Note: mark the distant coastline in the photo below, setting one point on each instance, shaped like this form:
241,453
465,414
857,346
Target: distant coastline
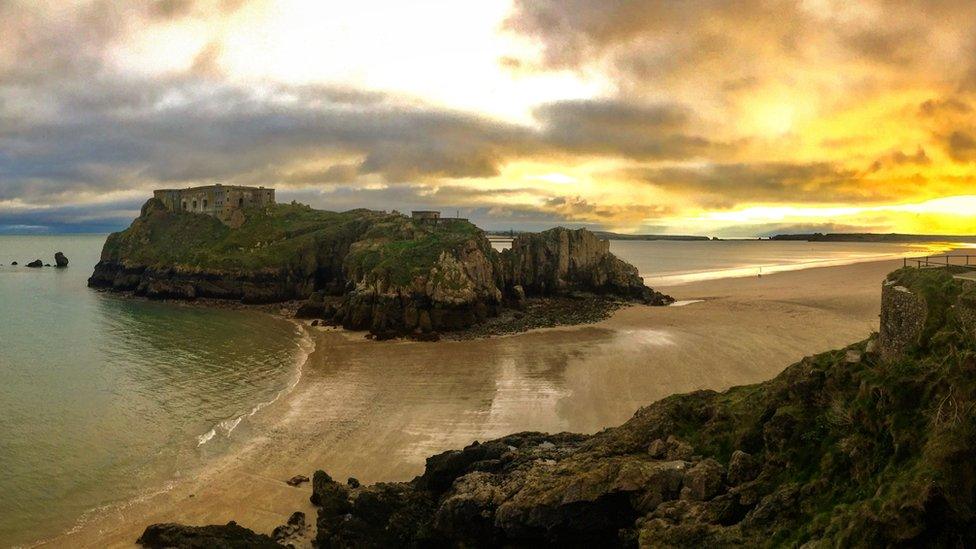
872,237
607,235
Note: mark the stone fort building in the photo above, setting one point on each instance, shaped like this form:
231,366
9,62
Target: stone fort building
225,202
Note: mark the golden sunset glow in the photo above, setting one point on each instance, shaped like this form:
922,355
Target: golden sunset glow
768,117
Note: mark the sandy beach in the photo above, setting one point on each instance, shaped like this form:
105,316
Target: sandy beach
375,410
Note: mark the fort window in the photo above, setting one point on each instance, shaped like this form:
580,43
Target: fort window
240,201
204,203
194,204
184,205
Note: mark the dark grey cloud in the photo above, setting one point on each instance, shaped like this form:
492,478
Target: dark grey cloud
710,41
725,185
622,129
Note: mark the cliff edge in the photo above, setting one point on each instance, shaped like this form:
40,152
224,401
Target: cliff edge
361,269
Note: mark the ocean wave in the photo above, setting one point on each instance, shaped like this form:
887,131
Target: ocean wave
306,345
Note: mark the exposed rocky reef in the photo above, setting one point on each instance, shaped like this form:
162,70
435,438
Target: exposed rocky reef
363,270
846,448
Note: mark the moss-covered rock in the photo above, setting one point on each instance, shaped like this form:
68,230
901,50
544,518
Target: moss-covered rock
392,275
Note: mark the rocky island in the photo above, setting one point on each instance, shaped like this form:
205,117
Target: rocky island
870,445
386,273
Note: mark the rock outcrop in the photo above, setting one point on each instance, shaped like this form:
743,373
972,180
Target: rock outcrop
385,273
562,261
60,260
36,264
228,536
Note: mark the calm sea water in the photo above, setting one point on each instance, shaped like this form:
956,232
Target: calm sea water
669,263
104,398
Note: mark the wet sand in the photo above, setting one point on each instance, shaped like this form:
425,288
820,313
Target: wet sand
376,410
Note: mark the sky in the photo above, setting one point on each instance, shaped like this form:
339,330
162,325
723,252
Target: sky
705,117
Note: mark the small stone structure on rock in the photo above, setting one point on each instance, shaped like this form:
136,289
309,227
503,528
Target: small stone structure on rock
431,217
225,202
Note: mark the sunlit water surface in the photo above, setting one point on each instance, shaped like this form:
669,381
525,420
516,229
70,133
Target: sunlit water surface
670,263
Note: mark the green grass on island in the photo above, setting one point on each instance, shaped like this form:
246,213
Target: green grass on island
288,234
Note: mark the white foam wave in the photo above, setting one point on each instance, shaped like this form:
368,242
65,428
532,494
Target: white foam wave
205,438
306,345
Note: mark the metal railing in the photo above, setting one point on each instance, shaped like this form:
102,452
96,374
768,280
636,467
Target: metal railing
941,261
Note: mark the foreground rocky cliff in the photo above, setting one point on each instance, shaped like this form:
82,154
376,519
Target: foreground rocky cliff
361,269
842,449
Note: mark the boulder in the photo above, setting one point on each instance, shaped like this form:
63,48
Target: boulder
60,260
13,263
291,531
329,495
297,480
703,481
230,535
742,468
36,264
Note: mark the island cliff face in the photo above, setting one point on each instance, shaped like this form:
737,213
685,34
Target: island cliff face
846,448
390,274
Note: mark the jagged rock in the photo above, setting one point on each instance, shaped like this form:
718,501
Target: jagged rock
560,261
678,449
229,536
742,468
36,264
60,260
292,530
329,495
658,449
297,480
13,263
352,483
703,481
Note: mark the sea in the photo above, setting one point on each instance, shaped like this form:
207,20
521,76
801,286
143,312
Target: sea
105,400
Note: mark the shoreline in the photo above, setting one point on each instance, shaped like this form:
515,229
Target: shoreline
359,407
305,347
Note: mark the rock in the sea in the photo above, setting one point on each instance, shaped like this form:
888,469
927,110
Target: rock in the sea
297,480
36,264
13,263
60,260
229,536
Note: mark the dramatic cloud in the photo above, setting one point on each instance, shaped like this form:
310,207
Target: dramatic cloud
623,114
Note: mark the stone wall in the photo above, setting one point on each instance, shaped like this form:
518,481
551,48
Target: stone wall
903,315
220,201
